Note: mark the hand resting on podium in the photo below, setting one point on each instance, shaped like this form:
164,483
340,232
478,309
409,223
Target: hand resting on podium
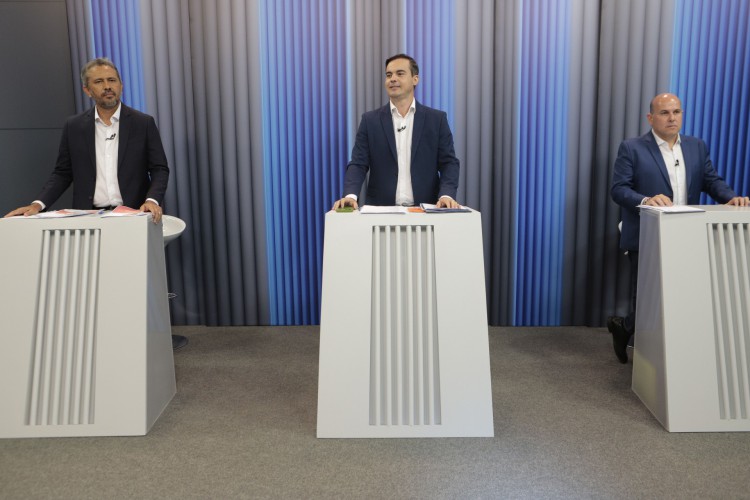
347,201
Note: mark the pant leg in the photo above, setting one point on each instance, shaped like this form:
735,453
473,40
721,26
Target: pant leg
629,322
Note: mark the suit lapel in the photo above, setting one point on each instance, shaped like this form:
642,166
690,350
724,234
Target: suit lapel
387,122
124,134
418,127
89,135
689,154
653,148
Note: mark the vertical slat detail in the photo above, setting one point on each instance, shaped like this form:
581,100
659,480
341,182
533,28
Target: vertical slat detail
730,286
61,380
419,327
404,369
375,321
721,369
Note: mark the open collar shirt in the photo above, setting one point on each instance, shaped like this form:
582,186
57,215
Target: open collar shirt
403,128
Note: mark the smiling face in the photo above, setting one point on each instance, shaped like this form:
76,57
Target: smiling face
103,86
666,117
399,80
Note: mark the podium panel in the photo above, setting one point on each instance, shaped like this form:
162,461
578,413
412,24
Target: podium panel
85,346
692,346
403,336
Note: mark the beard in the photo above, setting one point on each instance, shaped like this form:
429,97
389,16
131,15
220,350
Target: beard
107,104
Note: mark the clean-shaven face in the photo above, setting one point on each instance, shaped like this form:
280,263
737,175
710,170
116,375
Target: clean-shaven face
399,82
666,116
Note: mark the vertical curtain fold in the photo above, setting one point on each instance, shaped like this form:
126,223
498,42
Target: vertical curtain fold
258,103
117,36
486,133
376,31
81,46
712,76
430,41
542,162
203,92
303,56
633,66
579,206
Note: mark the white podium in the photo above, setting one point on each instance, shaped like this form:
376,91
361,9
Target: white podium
85,341
692,346
403,335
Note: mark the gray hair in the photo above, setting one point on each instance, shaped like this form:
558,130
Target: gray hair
99,61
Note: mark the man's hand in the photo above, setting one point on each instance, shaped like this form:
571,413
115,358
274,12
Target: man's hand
739,201
346,202
150,206
447,202
32,209
660,200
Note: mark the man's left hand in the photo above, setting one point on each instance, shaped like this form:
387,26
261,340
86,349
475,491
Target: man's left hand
150,206
447,202
739,201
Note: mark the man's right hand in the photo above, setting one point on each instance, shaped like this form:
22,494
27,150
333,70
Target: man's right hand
32,209
660,200
346,202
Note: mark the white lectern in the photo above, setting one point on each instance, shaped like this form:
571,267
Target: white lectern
692,346
403,333
85,341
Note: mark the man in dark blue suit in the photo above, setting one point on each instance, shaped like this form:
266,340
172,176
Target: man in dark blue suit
406,147
660,168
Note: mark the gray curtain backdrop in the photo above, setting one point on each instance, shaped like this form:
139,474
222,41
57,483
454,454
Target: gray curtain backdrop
201,73
81,47
619,59
634,61
376,32
487,90
202,81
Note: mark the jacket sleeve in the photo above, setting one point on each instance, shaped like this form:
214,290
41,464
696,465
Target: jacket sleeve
448,164
62,175
713,183
359,165
623,189
158,169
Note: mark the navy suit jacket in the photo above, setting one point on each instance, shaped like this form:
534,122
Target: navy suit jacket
640,172
142,170
434,166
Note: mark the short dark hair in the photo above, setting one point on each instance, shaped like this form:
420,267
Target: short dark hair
412,63
99,61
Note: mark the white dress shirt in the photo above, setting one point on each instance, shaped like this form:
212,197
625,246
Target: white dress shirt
675,163
403,127
107,141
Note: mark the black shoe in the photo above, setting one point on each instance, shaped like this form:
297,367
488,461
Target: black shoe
620,337
178,342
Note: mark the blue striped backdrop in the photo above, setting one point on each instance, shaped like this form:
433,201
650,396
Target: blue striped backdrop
430,40
303,53
116,28
711,74
305,98
542,152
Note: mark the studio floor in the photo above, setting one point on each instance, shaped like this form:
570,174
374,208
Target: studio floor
243,425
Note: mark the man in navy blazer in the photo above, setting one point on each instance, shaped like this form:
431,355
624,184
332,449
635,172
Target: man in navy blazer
112,154
406,147
660,168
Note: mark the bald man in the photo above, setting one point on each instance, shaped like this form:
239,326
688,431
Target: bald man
659,168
